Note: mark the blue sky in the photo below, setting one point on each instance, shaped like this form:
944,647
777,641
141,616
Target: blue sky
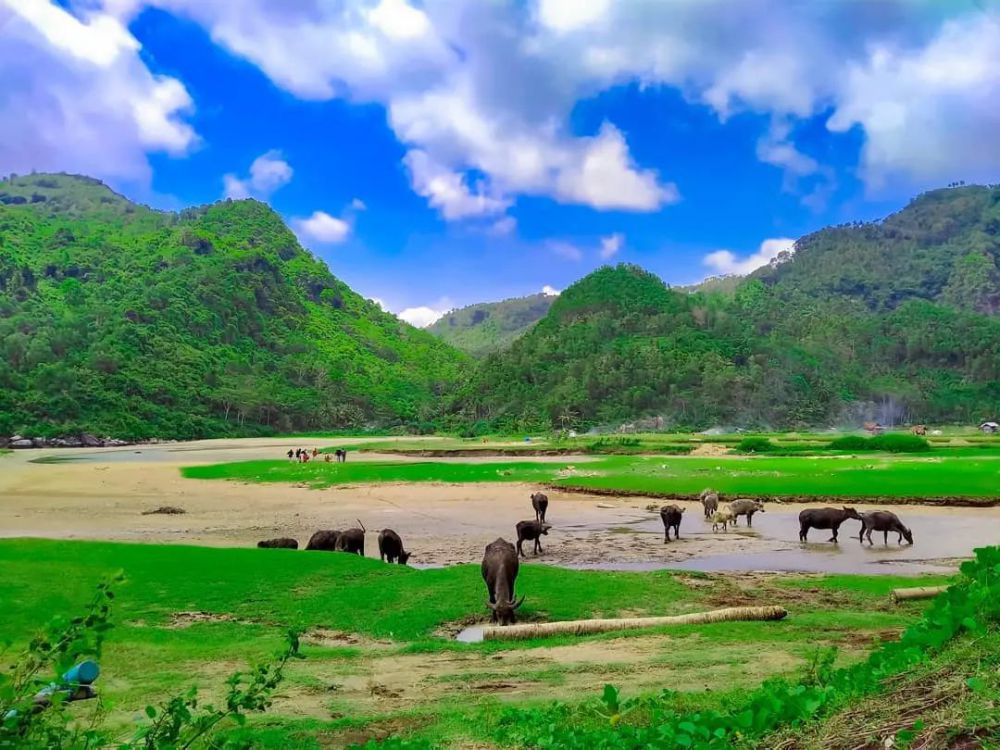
445,152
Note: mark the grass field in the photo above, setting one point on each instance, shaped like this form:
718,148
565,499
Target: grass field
375,660
976,477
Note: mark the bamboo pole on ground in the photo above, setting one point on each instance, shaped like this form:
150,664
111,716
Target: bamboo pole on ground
585,627
920,592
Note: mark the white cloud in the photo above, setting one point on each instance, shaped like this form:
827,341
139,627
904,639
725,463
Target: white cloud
932,113
503,226
268,172
611,245
771,250
358,205
485,91
565,250
77,96
421,317
322,228
447,191
380,302
571,15
550,291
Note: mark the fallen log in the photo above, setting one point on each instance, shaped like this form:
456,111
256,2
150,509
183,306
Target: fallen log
920,592
585,627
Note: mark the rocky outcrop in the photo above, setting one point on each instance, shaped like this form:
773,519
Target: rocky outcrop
86,440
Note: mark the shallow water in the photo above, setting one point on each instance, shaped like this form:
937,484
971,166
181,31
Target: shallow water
941,535
471,634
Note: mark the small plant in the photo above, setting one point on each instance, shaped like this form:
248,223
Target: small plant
755,445
893,442
182,723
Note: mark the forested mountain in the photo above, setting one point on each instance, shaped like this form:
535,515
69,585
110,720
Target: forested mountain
491,326
892,320
121,320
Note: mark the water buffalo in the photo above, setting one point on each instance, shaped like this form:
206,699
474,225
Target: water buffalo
710,502
352,540
324,540
390,547
500,572
722,518
540,503
531,531
280,543
671,517
884,521
745,507
824,518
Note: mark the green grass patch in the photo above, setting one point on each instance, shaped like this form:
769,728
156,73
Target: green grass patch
967,476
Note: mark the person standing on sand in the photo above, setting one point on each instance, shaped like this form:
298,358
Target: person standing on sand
290,454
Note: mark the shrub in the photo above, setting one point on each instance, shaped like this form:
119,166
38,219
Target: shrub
755,445
893,442
900,442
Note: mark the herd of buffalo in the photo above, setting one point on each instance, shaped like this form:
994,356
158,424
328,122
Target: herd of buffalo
500,560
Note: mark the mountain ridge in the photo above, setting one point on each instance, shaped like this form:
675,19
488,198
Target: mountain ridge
119,319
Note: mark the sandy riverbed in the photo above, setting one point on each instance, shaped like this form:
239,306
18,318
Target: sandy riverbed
104,495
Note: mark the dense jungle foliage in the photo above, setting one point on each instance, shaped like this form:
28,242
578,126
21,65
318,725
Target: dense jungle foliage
491,326
894,321
118,319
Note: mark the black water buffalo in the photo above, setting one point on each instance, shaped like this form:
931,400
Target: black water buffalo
324,540
745,507
710,502
540,503
500,572
280,543
352,540
531,531
390,547
824,518
671,516
884,521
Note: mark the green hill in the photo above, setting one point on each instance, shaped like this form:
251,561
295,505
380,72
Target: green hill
121,320
491,326
885,321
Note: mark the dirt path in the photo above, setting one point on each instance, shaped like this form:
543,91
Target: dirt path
104,497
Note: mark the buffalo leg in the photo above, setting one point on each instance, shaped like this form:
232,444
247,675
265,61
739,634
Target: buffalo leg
520,552
834,537
538,546
803,533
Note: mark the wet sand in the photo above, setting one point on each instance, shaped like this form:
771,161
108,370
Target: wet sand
102,493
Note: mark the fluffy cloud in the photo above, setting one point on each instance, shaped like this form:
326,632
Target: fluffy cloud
550,291
611,245
931,112
503,226
421,317
566,250
268,172
725,262
77,96
480,94
321,228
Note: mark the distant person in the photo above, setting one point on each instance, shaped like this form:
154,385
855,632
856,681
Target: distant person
343,457
290,454
328,457
315,452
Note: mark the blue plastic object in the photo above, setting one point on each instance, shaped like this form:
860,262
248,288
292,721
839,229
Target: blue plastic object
83,673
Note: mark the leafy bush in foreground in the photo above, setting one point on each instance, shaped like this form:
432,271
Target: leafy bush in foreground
179,722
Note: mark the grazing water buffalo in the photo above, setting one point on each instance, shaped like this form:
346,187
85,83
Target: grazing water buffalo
390,547
671,517
722,518
500,572
884,521
824,518
324,540
540,503
352,540
280,543
710,503
745,507
531,531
